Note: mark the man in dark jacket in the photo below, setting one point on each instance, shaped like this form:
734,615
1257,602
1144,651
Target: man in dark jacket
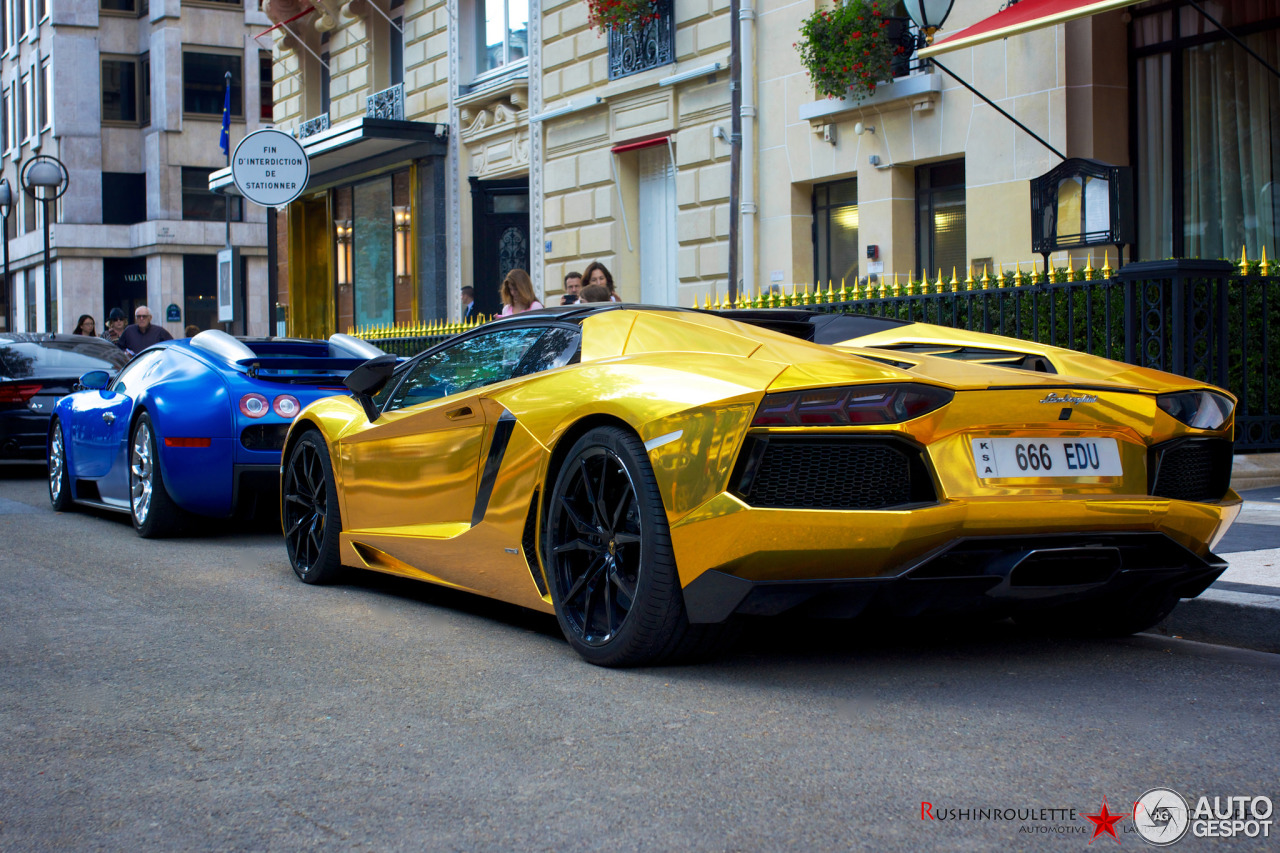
142,334
115,325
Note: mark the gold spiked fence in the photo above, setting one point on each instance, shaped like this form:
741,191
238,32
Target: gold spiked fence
409,339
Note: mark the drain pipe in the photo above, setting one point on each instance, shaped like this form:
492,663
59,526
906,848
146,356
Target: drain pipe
747,78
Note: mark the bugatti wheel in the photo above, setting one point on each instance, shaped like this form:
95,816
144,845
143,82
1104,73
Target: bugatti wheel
309,511
59,475
608,550
154,513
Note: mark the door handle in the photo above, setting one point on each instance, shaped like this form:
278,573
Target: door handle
108,417
459,413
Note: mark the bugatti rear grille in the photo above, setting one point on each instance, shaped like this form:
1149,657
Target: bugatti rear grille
264,436
831,472
1191,469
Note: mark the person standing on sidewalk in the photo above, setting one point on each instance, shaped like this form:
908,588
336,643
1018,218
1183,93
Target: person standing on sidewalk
142,334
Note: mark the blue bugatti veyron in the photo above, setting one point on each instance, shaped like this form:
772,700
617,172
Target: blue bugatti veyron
190,427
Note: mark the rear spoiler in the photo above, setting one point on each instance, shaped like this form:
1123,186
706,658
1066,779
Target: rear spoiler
299,369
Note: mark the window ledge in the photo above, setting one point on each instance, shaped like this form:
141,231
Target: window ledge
917,91
514,77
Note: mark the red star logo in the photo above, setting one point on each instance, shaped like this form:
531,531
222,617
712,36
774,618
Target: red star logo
1105,821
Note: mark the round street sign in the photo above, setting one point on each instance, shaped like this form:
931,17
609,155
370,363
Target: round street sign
270,168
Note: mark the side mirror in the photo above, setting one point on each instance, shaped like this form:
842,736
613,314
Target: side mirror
94,380
368,379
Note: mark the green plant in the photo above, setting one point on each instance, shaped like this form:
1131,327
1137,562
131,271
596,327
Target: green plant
846,49
619,14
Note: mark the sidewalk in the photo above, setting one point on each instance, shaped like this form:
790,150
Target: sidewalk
1242,608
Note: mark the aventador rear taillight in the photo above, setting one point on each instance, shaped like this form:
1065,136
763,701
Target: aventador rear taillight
254,405
1200,409
852,406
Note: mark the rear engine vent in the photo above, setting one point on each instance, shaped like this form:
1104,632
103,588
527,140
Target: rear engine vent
831,472
1190,469
264,436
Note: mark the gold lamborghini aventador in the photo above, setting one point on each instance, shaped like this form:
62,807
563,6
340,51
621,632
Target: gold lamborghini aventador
648,474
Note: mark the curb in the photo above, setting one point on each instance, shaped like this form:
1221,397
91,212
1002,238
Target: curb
1226,617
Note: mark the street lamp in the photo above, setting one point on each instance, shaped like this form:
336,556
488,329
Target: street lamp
6,205
45,179
928,15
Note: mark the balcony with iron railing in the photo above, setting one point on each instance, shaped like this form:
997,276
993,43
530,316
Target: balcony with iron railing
639,47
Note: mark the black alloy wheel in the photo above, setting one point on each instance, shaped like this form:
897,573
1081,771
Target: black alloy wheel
309,511
608,549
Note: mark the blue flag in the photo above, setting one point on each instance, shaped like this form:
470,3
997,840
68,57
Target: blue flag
224,142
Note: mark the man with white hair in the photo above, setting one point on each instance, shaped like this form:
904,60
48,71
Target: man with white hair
141,334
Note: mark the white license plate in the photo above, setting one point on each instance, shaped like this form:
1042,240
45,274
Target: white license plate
1046,457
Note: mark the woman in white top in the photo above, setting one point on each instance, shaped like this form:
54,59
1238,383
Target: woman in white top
517,294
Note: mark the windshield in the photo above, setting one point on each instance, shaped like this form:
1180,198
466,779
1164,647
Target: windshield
39,359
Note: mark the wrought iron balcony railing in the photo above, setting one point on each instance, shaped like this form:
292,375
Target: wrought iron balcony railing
389,103
312,126
633,49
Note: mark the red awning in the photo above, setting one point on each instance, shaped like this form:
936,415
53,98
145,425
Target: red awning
636,146
1023,17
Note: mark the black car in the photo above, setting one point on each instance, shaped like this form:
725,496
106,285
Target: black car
36,369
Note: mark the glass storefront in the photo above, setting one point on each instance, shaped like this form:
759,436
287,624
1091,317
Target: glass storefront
370,252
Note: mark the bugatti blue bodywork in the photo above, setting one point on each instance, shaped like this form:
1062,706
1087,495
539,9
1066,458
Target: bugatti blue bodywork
190,427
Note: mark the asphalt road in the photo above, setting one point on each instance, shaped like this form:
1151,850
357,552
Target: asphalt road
192,695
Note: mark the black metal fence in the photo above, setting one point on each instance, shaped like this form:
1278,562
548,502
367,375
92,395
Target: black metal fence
1203,319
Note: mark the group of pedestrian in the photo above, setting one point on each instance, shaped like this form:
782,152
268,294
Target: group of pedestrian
595,285
133,338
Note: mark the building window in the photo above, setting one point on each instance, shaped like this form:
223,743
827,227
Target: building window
325,77
24,108
124,198
134,7
634,49
201,203
501,34
1203,132
266,89
204,83
835,239
397,51
940,218
6,126
46,94
126,89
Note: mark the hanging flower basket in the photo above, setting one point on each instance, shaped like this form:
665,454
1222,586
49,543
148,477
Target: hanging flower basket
605,15
846,49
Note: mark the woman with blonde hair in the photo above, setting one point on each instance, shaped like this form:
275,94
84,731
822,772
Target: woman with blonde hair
517,294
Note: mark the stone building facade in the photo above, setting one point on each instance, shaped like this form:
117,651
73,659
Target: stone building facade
553,145
128,94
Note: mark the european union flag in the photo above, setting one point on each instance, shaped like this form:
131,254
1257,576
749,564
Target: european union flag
224,142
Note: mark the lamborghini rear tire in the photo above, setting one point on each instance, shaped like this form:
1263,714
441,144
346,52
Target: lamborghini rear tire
612,570
1110,617
154,512
309,511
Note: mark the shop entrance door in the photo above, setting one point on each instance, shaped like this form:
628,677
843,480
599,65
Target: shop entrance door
500,211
